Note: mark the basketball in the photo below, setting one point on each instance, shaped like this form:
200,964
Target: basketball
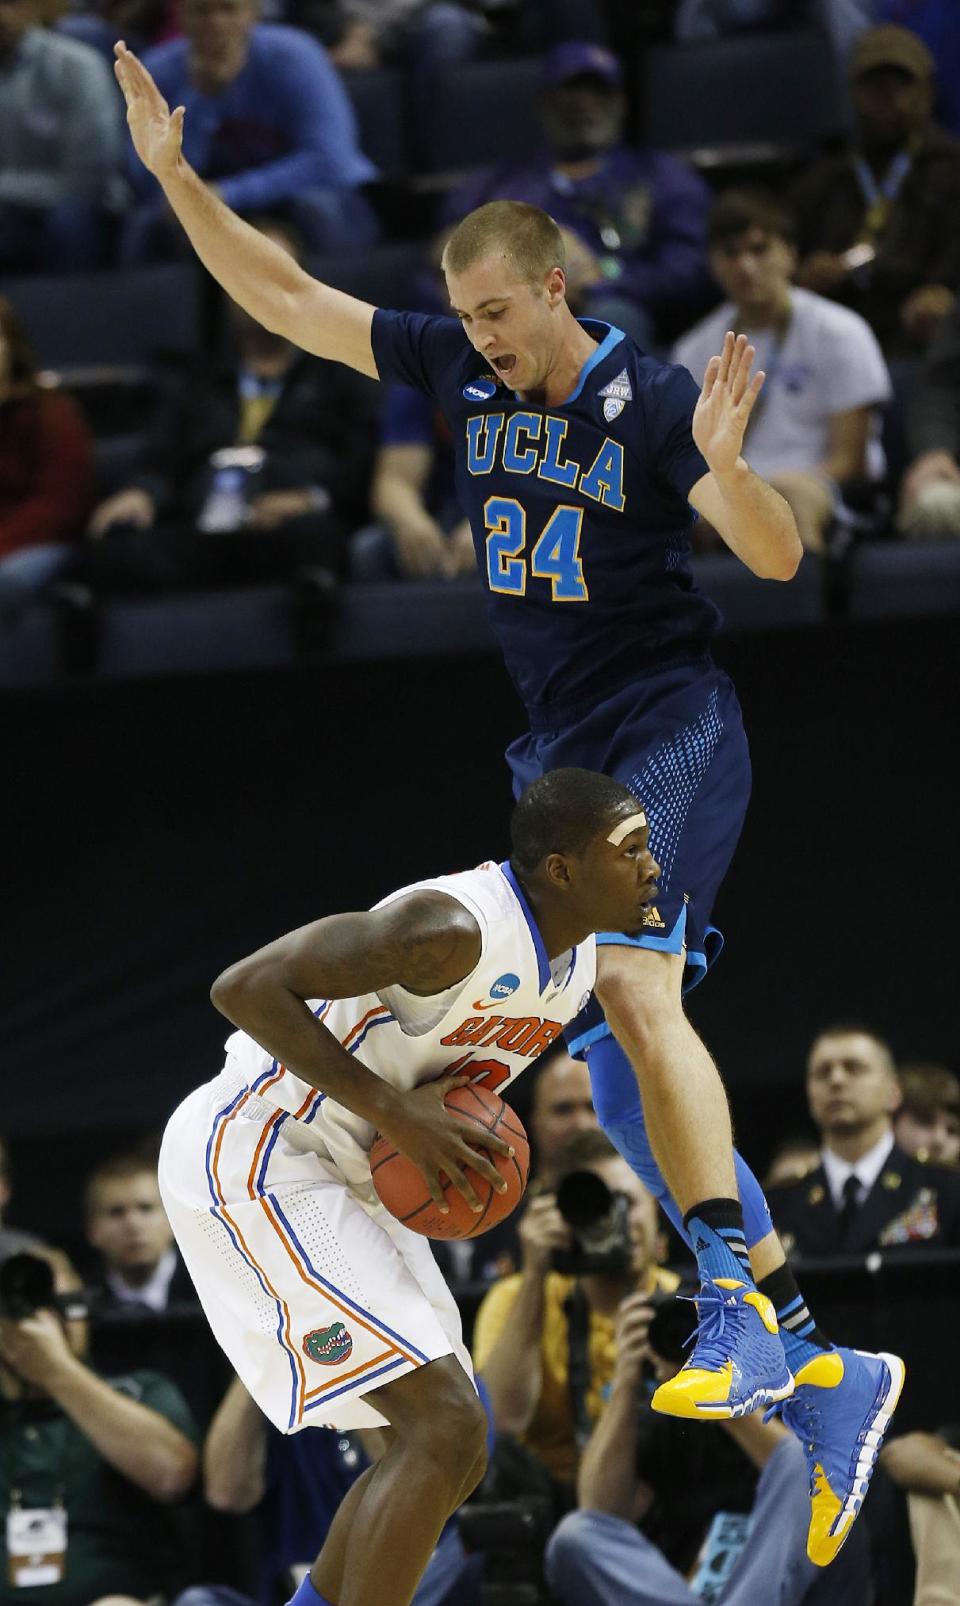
403,1191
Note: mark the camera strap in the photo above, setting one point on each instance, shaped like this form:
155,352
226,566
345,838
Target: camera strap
576,1308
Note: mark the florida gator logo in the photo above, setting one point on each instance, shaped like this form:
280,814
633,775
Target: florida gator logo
328,1346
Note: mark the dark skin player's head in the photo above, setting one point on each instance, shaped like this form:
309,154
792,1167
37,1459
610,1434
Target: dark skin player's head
580,846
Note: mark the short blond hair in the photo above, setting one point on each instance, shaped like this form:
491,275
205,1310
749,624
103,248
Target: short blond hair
528,237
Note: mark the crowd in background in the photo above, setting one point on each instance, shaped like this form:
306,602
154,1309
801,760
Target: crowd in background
119,1411
255,462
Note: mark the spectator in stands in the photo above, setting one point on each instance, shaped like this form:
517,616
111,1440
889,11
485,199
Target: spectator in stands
815,428
293,1485
926,1466
60,149
927,1124
127,1226
930,491
421,532
427,36
269,125
640,215
560,1107
791,1160
669,1516
91,1463
12,1240
255,470
529,1323
867,1193
936,22
876,223
46,467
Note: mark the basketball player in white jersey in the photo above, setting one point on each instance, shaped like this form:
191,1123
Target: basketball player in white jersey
332,1312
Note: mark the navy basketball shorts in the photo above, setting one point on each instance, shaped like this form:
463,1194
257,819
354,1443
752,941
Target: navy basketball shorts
676,739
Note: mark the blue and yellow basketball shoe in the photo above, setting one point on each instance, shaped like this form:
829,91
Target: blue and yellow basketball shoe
737,1365
840,1410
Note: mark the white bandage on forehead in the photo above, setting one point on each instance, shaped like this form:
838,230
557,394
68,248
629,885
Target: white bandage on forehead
633,822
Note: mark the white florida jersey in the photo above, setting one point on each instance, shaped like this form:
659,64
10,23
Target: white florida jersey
511,1007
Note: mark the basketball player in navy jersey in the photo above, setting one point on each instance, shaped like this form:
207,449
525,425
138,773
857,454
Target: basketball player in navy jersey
580,463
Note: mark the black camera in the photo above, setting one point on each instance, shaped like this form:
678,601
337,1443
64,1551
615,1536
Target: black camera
600,1225
673,1321
26,1286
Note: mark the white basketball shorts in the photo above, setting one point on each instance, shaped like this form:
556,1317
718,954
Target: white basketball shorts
314,1292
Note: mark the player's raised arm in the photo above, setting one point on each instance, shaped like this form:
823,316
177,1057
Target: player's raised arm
260,277
753,519
425,942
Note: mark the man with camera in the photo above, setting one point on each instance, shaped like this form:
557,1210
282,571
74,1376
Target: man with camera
674,1516
544,1338
87,1464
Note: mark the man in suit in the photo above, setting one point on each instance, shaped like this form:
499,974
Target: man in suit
867,1193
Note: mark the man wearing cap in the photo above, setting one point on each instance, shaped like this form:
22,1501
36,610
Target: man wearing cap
877,223
638,216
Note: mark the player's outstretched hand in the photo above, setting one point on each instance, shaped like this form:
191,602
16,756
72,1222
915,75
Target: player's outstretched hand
726,401
155,130
438,1140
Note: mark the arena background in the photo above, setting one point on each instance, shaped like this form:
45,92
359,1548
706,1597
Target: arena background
157,830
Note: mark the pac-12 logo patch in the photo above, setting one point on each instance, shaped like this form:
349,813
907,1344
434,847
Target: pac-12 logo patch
480,389
612,408
501,989
328,1346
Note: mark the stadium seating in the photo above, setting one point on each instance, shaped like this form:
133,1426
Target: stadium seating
480,114
780,92
102,318
380,104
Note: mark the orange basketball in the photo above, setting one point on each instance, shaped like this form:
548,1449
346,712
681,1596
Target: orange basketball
403,1191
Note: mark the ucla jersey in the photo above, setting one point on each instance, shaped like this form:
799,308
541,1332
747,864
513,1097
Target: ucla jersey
511,1007
579,512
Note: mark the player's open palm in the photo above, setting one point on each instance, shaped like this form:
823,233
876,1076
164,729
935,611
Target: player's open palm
155,130
726,401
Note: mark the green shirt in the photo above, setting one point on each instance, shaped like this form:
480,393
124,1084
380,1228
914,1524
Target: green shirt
119,1540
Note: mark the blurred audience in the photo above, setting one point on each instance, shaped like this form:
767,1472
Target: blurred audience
930,491
425,36
269,125
544,1337
92,1463
927,1124
46,467
791,1160
293,1485
12,1240
421,532
256,468
639,215
699,21
60,148
669,1516
876,223
815,428
926,1466
128,1227
867,1193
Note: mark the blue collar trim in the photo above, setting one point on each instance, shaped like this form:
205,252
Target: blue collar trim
543,963
612,338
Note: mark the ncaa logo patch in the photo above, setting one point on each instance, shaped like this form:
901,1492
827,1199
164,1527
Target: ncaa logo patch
504,986
480,390
328,1346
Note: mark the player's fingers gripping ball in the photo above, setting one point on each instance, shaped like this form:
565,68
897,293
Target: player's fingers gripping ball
402,1188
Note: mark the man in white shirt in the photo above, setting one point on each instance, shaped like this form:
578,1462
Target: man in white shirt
816,424
867,1193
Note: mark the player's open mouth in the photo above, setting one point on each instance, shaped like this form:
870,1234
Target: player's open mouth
504,365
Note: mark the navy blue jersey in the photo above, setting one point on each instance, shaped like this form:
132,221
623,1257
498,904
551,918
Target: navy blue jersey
579,512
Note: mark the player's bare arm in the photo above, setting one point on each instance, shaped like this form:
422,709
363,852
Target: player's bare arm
426,943
259,276
752,518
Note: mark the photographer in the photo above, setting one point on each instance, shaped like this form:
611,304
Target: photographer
544,1337
673,1513
87,1464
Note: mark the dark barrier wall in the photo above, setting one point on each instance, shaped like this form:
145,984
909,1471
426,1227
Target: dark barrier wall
157,831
